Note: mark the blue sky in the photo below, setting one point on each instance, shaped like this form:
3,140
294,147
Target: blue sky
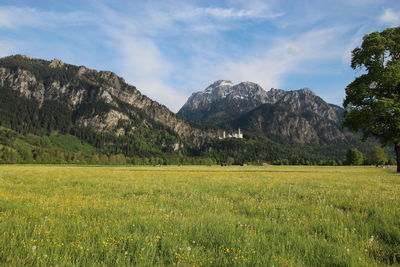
171,48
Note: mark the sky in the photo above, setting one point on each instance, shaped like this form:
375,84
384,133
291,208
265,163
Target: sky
169,49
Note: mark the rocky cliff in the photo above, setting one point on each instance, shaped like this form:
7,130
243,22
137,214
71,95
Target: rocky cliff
297,116
99,100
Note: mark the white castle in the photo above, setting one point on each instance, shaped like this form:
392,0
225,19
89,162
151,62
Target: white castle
232,135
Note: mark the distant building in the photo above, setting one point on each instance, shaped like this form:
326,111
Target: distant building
237,134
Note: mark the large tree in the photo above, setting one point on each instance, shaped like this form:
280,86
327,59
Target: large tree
372,103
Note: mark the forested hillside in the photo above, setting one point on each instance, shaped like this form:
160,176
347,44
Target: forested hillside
53,112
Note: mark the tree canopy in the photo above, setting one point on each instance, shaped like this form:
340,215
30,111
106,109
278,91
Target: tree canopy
372,103
377,156
354,157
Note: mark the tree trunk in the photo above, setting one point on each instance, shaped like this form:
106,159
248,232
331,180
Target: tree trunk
397,149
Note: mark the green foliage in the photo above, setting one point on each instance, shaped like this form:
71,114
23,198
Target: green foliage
55,116
141,142
9,155
377,156
118,159
229,161
19,148
261,149
372,103
61,149
66,143
26,116
354,157
18,113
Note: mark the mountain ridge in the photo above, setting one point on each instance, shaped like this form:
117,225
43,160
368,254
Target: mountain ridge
48,106
295,115
82,88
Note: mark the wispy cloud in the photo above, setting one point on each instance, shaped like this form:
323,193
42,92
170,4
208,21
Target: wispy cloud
142,64
286,56
362,2
390,17
352,43
168,49
139,42
227,13
12,17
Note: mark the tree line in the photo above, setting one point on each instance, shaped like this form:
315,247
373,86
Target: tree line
376,156
44,156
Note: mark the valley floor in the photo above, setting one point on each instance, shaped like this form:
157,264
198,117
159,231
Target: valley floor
199,216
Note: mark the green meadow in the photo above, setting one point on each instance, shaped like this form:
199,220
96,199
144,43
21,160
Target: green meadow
199,216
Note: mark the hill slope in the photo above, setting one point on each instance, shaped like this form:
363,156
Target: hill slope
43,97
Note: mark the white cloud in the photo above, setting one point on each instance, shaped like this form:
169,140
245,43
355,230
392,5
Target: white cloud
390,17
168,49
161,92
12,17
361,2
286,56
143,65
226,13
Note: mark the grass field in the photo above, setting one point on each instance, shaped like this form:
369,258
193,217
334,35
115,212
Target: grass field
199,216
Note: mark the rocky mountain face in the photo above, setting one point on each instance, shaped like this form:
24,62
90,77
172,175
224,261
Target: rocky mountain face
99,100
223,100
297,116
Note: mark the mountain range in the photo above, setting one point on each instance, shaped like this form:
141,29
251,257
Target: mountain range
52,98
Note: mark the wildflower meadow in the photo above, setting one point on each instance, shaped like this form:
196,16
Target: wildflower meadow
199,216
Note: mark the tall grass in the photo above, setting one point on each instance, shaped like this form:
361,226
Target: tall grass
199,216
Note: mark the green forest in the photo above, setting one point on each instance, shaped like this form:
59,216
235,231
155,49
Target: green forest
68,149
